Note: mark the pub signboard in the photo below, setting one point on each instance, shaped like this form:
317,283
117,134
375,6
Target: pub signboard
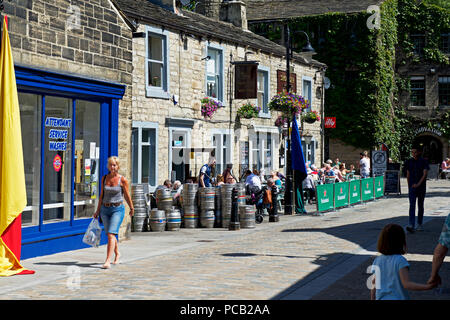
282,81
246,79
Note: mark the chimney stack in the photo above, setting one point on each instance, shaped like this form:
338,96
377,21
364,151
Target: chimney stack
234,12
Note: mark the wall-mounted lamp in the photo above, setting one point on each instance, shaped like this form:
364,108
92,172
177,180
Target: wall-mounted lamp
206,58
432,70
175,99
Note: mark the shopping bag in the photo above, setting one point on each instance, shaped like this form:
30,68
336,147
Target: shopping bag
93,233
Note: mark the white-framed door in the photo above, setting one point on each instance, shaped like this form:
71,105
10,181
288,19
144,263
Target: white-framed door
179,145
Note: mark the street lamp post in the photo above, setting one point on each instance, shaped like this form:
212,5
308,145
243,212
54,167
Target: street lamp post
288,193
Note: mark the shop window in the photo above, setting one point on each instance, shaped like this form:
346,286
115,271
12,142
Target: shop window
30,120
263,92
307,90
214,74
145,153
444,91
417,91
157,70
87,150
57,158
309,150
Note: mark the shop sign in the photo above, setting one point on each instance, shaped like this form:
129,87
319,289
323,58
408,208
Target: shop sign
282,81
330,122
60,134
430,130
246,80
57,163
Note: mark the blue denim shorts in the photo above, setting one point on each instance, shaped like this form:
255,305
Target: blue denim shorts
112,218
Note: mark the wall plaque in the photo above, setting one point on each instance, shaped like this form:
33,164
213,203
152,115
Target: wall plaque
282,81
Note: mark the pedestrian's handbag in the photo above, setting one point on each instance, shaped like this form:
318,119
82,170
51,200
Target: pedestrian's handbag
93,233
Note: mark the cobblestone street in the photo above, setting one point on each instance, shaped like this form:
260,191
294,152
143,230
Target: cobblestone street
301,257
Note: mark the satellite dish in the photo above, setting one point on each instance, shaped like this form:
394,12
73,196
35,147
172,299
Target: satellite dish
185,2
326,82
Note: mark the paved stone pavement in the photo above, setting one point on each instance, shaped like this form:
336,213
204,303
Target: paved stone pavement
298,258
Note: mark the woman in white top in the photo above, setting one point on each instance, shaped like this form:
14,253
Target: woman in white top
364,165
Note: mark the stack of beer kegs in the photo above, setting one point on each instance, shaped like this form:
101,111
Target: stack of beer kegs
207,200
226,191
141,207
190,207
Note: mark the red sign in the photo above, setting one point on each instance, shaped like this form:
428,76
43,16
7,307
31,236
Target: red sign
330,122
57,163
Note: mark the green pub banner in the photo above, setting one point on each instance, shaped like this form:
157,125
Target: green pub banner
325,196
367,189
355,191
341,194
379,186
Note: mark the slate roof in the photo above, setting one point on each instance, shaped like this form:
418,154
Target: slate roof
196,24
282,9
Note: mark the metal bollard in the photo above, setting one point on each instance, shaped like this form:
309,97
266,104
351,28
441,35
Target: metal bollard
234,219
273,213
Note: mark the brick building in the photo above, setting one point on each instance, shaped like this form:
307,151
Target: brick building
73,62
196,56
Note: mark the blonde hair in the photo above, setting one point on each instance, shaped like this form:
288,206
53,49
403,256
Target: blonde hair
115,159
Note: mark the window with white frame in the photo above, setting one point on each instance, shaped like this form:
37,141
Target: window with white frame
309,151
263,91
144,146
262,149
222,146
214,73
157,70
307,90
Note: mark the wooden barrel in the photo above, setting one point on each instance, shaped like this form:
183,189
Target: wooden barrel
157,220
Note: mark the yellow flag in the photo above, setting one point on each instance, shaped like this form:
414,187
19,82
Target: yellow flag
13,199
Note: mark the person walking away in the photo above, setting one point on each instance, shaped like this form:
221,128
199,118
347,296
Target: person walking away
110,207
204,179
364,165
440,252
391,270
416,175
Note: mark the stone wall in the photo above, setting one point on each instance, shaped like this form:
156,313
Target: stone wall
187,81
85,38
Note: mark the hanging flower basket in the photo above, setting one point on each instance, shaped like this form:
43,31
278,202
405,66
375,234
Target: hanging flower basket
281,121
288,103
311,117
209,107
248,111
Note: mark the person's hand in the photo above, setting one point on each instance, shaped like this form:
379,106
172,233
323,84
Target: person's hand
131,212
415,185
96,214
435,280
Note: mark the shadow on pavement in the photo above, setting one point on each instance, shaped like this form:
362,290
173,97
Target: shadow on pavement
243,254
72,263
352,286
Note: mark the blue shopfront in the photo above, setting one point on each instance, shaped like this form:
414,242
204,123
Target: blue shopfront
69,129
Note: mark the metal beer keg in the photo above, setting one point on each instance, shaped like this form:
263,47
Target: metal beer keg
157,220
247,217
164,199
190,217
207,198
241,200
207,218
173,220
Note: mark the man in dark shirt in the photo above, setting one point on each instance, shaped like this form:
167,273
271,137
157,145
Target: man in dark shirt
416,174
